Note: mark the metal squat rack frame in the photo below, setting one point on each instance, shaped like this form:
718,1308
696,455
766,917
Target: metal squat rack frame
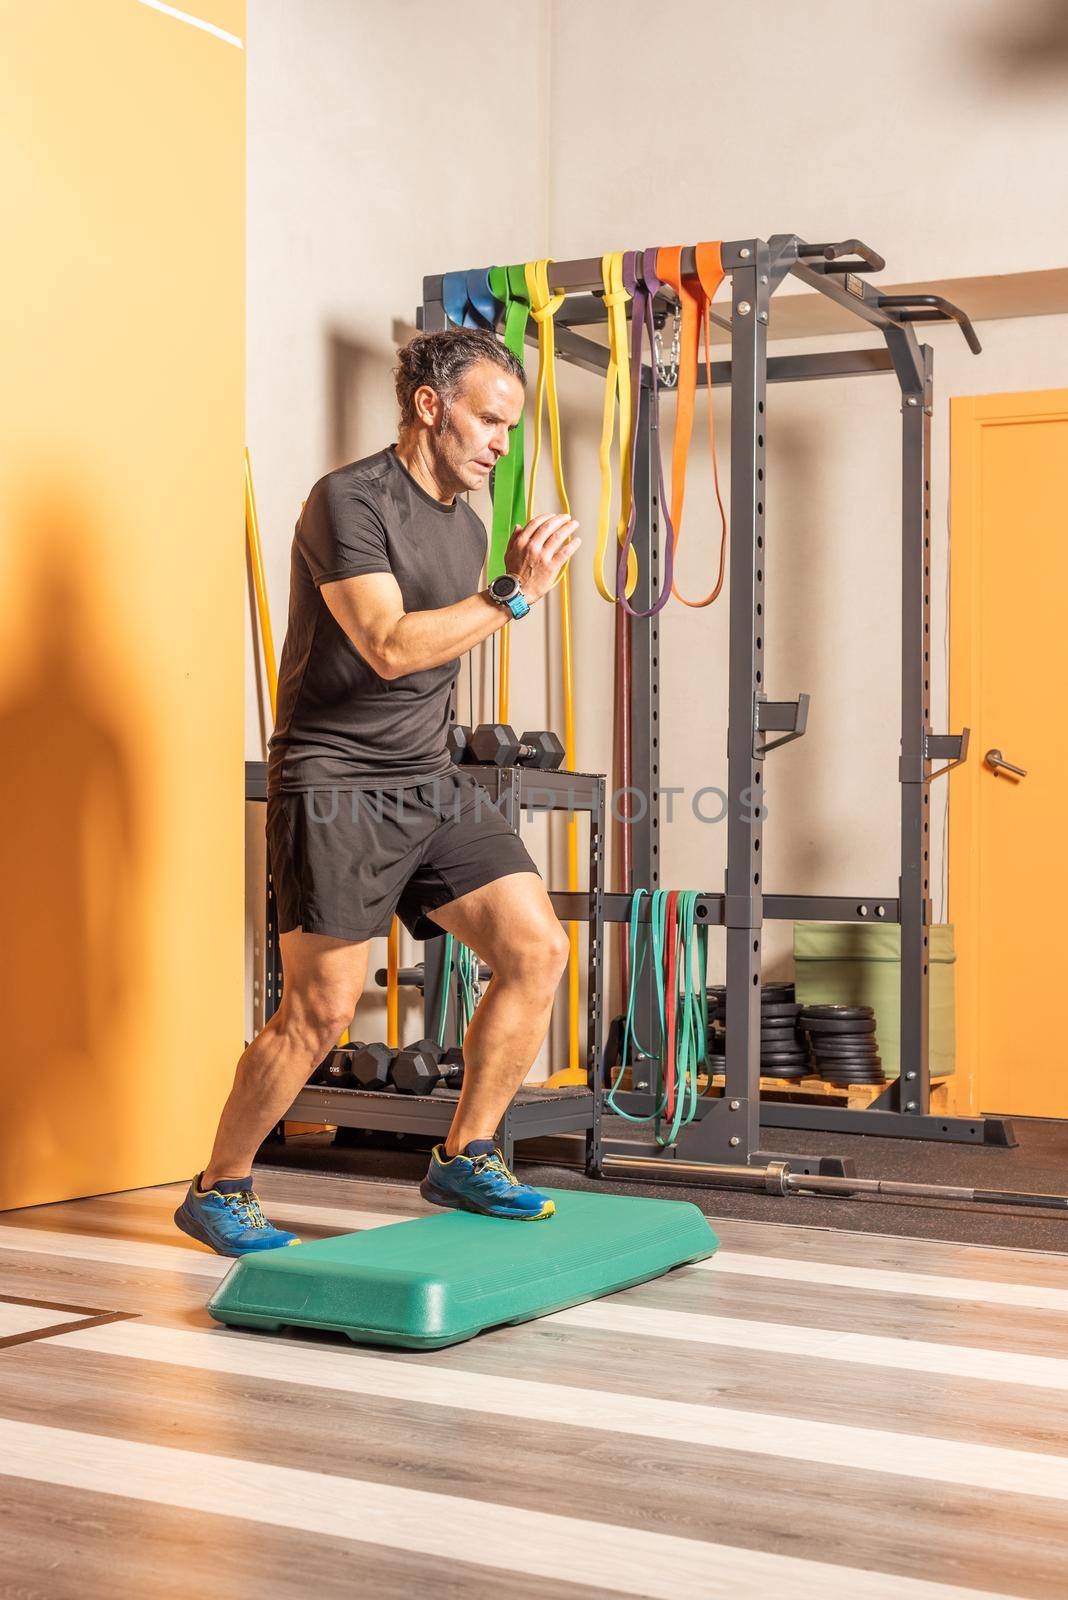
733,1128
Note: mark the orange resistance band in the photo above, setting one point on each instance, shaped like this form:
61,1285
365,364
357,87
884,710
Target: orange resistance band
695,293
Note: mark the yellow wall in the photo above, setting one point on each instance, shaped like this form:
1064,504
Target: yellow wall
121,591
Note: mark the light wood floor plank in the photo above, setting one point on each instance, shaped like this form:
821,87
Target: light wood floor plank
918,1457
449,1527
786,1507
57,1542
621,1317
872,1396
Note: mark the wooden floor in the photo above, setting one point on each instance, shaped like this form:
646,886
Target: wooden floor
825,1414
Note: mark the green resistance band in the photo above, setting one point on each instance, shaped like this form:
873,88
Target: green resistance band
509,285
690,990
466,963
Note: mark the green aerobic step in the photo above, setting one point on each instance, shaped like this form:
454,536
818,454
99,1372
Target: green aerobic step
437,1280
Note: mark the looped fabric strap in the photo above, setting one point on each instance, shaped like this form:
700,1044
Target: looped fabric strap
678,947
695,293
641,281
509,286
543,307
469,301
616,388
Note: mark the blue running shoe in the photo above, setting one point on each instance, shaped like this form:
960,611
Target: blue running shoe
479,1181
228,1219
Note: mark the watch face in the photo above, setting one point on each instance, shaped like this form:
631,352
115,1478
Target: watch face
505,587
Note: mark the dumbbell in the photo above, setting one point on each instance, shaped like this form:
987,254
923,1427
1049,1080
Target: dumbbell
496,744
335,1069
457,741
372,1065
420,1068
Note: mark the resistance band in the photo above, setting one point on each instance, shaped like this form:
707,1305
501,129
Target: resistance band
509,286
255,551
616,396
680,965
695,292
543,307
467,965
469,301
640,278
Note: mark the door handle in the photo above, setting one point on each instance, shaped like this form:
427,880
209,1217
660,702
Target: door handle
997,764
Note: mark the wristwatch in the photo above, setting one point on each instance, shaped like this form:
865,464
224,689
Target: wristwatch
507,593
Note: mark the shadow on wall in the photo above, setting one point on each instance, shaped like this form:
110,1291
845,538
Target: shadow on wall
361,406
71,861
1026,42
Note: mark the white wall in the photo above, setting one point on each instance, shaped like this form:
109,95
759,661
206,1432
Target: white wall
376,154
935,132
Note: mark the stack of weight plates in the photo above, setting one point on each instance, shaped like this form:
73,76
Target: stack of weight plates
843,1042
783,1051
782,1046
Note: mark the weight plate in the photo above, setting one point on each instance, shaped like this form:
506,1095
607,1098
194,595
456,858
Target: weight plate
844,1044
839,1013
873,1074
780,1008
868,1048
826,1025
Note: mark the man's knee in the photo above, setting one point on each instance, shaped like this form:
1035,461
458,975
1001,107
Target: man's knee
536,955
317,1019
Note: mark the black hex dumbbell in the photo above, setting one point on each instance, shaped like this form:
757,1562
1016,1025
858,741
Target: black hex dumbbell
457,741
373,1066
423,1067
335,1069
497,744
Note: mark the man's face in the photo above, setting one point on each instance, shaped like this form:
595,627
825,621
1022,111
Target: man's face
488,404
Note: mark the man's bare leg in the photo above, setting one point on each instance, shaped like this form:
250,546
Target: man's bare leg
324,979
510,925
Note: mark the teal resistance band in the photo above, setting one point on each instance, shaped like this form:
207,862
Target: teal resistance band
466,963
509,285
688,989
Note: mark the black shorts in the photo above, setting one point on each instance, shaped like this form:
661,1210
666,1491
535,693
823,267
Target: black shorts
345,860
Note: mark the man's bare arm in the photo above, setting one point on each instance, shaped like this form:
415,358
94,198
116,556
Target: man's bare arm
395,642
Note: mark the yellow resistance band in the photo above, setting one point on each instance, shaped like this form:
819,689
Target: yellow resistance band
255,550
616,394
543,307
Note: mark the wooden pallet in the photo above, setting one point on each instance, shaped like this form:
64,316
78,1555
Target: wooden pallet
817,1091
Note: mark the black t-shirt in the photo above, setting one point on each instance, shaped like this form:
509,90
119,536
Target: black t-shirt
338,722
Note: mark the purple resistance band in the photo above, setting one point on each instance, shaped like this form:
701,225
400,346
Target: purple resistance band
641,283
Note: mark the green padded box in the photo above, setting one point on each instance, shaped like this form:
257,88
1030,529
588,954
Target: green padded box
434,1281
859,964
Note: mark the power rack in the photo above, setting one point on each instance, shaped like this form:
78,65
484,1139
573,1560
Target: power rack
732,1129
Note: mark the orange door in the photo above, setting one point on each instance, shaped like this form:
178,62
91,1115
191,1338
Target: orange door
1008,846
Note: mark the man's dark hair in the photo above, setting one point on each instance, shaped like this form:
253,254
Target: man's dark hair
439,360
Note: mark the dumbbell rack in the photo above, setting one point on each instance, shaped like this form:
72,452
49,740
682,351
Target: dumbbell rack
534,1113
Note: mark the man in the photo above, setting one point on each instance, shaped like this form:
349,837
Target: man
366,813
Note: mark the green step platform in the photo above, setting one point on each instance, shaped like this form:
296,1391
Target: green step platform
437,1280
